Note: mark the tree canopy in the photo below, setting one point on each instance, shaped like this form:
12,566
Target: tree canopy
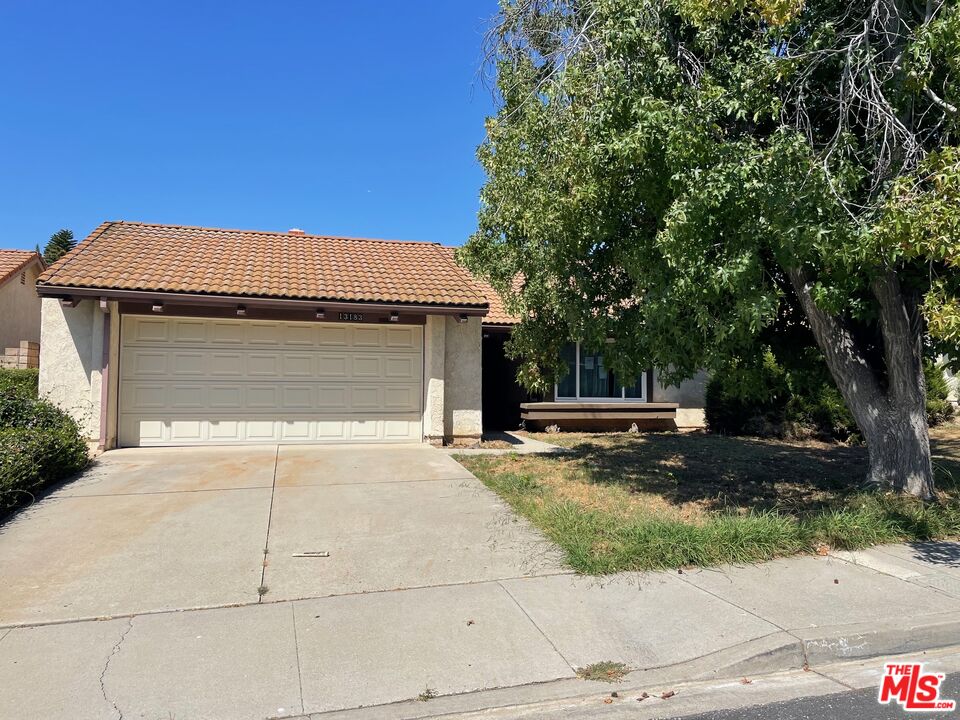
60,243
699,179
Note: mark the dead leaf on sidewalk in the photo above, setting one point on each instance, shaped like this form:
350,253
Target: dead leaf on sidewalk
667,694
607,701
470,622
643,696
745,681
823,550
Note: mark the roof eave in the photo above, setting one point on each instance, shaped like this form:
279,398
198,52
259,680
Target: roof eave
63,291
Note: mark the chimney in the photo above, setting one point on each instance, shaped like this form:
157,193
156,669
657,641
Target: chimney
295,231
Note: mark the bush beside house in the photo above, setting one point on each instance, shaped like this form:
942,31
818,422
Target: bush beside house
770,400
39,443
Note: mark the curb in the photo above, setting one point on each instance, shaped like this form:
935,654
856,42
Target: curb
778,652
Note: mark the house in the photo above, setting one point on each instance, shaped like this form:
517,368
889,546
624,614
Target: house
587,398
19,307
171,335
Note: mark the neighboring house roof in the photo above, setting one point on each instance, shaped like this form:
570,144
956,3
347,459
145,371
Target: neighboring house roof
173,258
13,261
498,314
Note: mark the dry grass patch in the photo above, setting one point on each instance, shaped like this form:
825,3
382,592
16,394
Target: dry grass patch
626,501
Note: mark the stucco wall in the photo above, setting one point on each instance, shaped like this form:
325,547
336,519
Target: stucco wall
463,400
20,309
70,359
434,334
690,395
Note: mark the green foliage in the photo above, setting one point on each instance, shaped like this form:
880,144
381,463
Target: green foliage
24,381
39,445
661,172
939,407
797,402
60,243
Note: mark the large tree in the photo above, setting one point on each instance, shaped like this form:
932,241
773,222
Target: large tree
60,243
697,178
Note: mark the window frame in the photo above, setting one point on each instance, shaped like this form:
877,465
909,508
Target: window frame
581,399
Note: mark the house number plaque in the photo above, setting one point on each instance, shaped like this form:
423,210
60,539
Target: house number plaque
351,317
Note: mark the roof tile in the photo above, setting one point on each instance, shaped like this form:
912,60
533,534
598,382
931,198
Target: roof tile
12,261
173,258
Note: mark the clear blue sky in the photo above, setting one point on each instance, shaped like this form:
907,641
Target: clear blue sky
353,118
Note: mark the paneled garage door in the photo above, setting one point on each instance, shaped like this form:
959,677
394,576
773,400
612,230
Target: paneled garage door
186,381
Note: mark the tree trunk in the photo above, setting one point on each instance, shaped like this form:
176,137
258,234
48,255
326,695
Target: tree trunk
893,420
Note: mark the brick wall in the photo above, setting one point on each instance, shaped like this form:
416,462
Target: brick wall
27,355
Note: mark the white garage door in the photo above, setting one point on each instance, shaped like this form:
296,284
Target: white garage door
186,381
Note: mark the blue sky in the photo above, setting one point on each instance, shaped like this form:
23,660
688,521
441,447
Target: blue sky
352,118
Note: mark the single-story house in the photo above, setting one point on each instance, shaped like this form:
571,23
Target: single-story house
19,306
171,335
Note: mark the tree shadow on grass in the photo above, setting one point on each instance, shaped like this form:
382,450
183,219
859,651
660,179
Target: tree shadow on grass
724,473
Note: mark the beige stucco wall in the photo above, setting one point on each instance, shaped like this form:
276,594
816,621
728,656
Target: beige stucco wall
434,334
71,350
690,395
463,378
20,309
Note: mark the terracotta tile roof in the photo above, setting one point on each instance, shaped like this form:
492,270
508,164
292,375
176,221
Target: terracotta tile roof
498,314
172,258
13,261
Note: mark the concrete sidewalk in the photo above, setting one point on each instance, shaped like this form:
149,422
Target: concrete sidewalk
482,644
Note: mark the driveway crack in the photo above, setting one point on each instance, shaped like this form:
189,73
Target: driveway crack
261,591
106,666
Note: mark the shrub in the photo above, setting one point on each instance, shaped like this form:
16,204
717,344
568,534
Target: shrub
22,381
939,407
39,445
770,400
747,400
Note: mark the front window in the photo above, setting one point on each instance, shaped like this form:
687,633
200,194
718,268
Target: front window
588,378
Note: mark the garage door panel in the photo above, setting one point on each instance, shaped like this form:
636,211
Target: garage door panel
187,430
224,430
364,397
262,397
332,366
401,397
150,330
332,335
188,397
367,366
191,381
403,338
333,397
226,397
263,365
189,331
189,363
401,367
296,365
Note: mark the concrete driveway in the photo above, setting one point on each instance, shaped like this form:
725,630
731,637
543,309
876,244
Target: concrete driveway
149,530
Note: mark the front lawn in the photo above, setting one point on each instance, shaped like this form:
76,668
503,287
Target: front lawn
638,502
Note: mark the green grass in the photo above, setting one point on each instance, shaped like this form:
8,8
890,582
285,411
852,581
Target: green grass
639,520
606,671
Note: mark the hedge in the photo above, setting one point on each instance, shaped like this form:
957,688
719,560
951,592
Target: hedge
39,445
22,381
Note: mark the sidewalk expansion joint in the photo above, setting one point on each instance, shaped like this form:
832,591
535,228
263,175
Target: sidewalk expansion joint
733,604
296,648
539,629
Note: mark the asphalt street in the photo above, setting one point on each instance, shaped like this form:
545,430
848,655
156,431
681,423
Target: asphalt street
852,705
